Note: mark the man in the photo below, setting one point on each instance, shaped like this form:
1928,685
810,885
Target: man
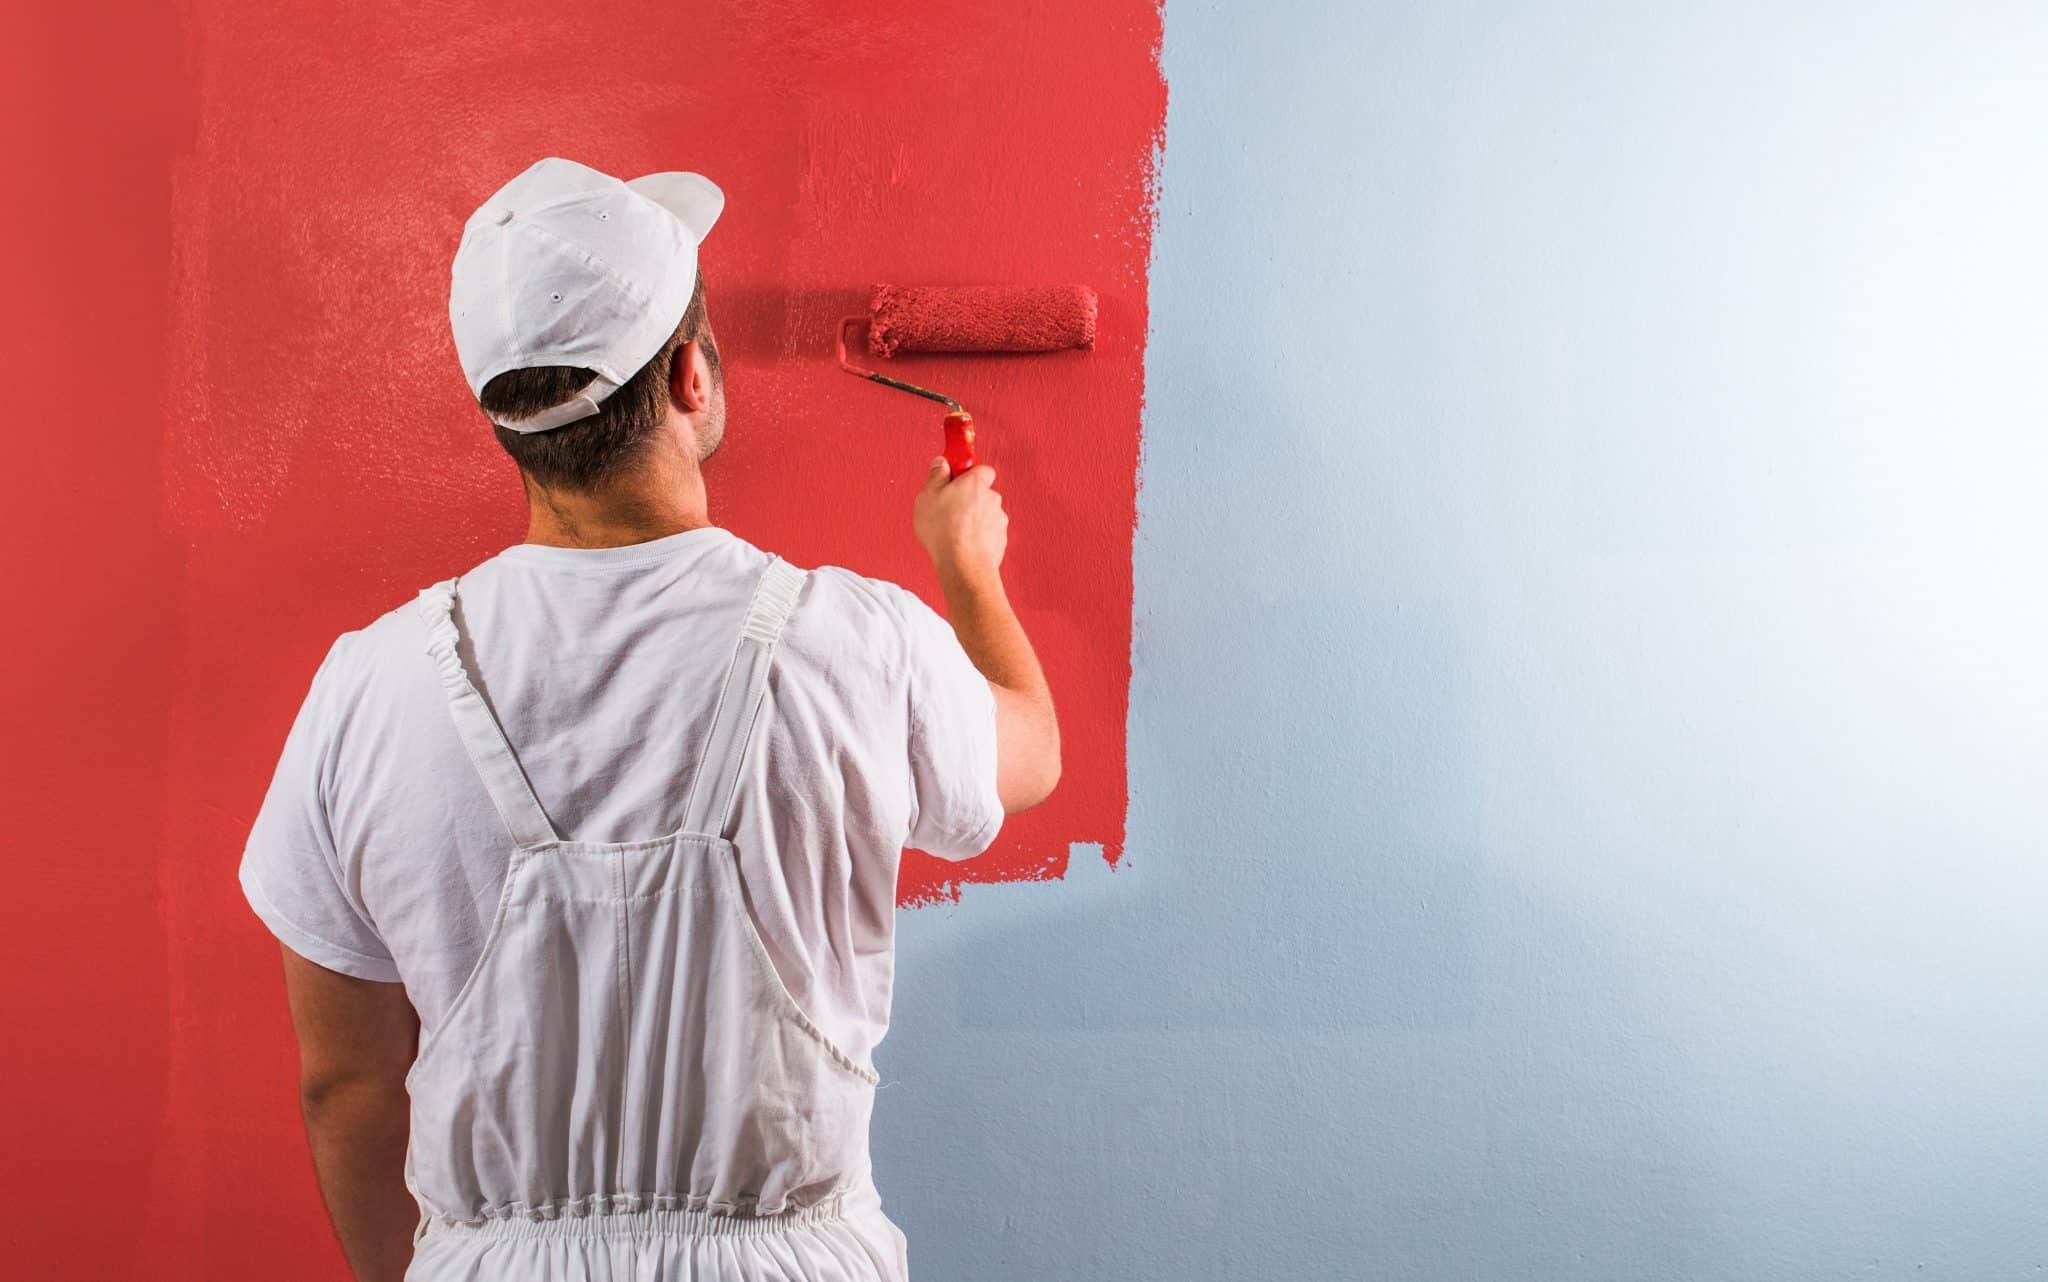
584,862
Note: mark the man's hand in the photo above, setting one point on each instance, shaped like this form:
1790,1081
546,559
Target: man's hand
960,521
356,1042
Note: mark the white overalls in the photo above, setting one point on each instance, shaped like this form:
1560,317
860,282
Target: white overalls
624,1089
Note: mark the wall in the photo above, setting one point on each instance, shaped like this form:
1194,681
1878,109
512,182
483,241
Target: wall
1588,712
1585,709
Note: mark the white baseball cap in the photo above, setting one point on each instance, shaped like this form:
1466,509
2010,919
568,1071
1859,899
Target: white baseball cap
565,265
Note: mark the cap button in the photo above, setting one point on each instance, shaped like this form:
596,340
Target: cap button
504,216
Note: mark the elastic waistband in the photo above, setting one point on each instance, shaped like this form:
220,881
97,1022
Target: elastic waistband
656,1223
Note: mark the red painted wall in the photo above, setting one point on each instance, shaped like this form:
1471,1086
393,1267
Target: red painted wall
238,428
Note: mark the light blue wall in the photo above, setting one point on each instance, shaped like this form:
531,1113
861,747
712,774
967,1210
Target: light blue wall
1589,736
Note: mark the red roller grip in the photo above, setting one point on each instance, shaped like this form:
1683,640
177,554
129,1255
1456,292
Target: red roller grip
959,442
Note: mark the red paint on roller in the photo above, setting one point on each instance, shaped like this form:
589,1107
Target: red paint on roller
972,318
981,318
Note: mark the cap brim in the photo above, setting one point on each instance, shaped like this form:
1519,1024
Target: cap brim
692,198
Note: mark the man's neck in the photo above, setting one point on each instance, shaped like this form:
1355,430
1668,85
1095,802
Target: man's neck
652,504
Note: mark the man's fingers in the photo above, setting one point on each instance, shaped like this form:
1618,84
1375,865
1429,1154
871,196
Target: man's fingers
981,474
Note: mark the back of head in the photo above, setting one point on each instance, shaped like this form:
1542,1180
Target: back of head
571,296
592,452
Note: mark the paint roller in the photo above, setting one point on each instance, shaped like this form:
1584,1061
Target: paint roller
968,318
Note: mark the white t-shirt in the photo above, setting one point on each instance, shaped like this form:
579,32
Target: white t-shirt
377,852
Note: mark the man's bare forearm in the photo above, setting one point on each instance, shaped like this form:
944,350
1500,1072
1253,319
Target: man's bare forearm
979,610
960,521
357,1131
1028,747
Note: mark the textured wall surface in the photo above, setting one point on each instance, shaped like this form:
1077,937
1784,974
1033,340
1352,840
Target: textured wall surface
1589,721
1587,708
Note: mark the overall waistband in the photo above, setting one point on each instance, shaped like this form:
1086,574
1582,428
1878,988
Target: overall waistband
655,1223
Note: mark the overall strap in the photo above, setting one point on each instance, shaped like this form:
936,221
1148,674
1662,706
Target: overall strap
481,734
739,702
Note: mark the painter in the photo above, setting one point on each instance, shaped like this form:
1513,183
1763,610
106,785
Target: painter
584,860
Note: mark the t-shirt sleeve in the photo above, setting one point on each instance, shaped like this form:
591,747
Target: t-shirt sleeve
956,808
292,873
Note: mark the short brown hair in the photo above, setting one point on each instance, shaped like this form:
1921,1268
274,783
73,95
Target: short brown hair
590,451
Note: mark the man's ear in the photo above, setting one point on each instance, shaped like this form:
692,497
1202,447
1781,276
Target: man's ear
689,379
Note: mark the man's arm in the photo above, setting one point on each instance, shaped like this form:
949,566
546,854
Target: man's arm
961,522
356,1043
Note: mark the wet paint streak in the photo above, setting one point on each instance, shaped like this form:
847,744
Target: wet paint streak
277,231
